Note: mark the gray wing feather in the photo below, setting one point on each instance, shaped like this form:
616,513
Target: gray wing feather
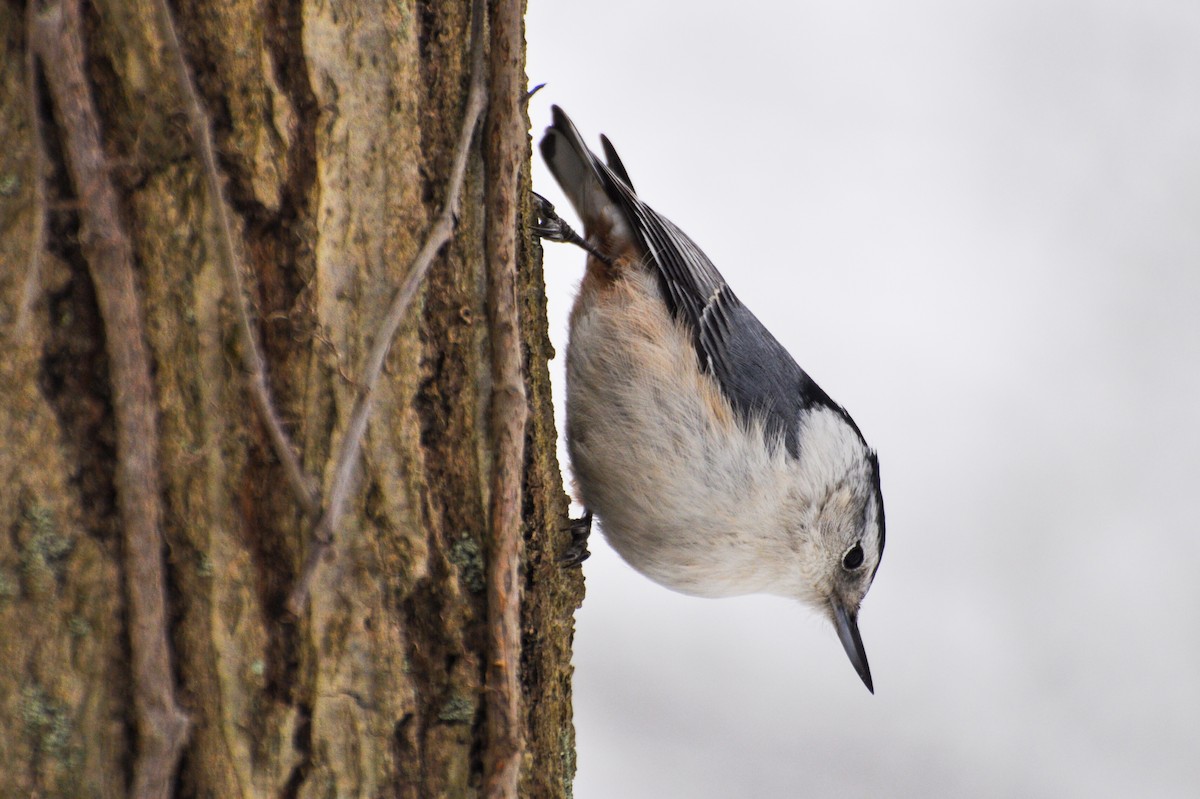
758,376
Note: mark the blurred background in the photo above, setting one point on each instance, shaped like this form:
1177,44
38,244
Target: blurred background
977,226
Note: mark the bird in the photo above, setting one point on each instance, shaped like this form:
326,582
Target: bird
714,464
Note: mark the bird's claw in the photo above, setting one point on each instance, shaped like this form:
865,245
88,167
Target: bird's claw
577,551
552,227
549,224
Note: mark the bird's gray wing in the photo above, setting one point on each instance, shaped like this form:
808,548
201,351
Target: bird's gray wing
753,370
759,377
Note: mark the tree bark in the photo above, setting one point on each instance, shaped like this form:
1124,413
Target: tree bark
334,127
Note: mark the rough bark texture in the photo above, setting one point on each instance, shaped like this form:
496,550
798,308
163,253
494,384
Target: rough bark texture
335,126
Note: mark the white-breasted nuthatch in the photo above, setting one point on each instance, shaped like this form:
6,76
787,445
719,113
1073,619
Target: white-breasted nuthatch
716,466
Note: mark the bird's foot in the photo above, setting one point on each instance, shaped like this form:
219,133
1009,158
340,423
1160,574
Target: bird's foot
577,551
551,226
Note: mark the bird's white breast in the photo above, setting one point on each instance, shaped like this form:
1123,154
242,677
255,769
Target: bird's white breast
684,493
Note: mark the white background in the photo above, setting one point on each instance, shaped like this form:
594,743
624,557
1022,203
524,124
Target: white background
977,226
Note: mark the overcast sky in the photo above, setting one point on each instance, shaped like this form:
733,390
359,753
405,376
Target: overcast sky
977,226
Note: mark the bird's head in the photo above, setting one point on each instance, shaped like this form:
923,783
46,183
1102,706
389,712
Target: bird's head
838,526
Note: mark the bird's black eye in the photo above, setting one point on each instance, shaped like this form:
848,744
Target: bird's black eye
853,558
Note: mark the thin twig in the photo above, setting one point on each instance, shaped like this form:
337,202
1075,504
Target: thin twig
34,267
346,458
162,727
303,485
504,153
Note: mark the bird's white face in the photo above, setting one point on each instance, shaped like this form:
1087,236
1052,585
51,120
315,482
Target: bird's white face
849,536
838,539
838,524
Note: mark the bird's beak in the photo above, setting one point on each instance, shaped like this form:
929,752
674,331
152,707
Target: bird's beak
846,622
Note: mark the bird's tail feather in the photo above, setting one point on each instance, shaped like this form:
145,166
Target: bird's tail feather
584,178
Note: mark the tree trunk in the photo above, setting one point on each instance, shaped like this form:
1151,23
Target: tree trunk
335,129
